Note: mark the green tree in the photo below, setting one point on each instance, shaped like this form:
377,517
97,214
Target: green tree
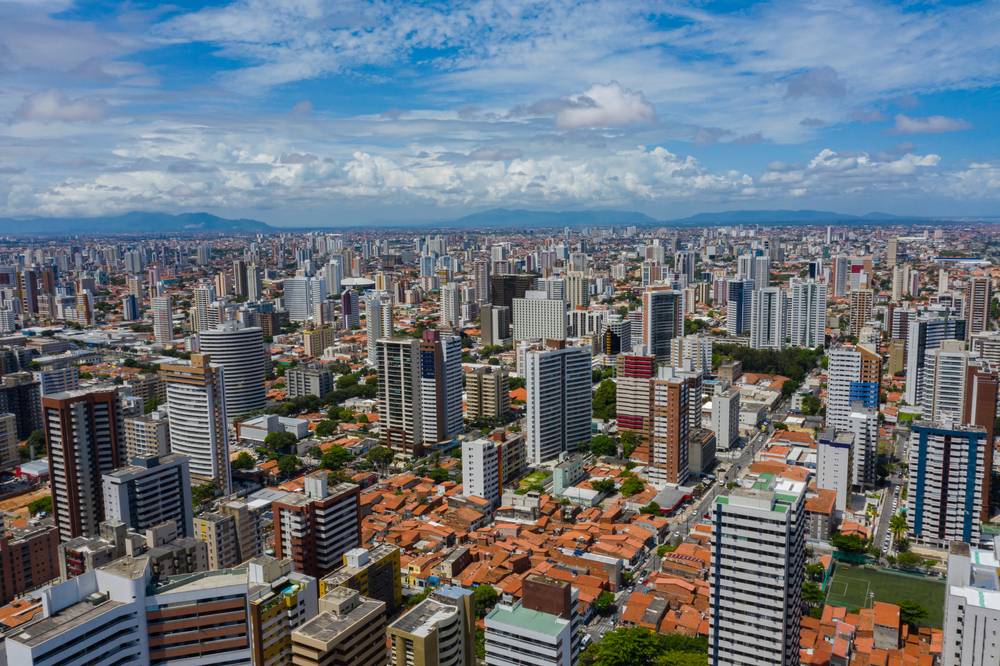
203,493
36,442
652,509
335,458
152,404
909,560
288,465
39,505
815,571
636,646
381,457
244,461
848,543
603,486
897,525
484,598
325,428
602,445
912,613
279,443
604,400
811,404
631,486
438,474
629,442
604,603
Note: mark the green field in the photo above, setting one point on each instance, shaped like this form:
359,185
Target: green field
536,479
850,587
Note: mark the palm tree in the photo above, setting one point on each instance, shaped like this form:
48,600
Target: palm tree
897,525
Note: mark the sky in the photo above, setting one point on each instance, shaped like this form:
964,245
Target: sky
344,112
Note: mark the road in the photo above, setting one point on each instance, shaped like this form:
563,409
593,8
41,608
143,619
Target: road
895,481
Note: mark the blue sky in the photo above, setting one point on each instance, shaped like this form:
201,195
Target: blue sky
302,111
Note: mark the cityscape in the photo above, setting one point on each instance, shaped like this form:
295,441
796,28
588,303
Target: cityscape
569,333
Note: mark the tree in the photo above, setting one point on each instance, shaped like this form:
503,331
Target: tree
606,486
202,493
812,595
438,474
484,598
811,404
602,445
325,428
909,560
604,603
288,465
604,400
36,442
848,543
912,613
244,461
381,457
636,646
631,486
39,505
815,571
897,525
629,443
279,443
652,509
335,458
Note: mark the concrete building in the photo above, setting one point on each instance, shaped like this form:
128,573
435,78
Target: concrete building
757,569
198,420
924,334
9,456
738,304
241,353
945,482
632,398
725,415
301,295
163,319
978,294
669,431
972,606
373,572
768,312
378,322
494,324
558,382
278,602
349,629
147,435
314,379
20,395
854,374
835,465
538,317
862,302
399,381
807,314
451,306
481,470
692,351
487,394
662,320
315,340
83,432
542,629
439,631
57,380
29,558
316,528
440,362
150,491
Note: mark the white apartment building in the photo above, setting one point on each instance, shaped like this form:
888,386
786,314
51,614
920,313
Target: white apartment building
834,464
301,295
807,314
924,334
767,318
757,569
517,635
862,422
147,435
695,349
481,470
538,317
378,322
972,606
451,305
163,319
558,383
725,416
241,353
399,394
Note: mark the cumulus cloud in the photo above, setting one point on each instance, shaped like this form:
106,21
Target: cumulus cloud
605,105
929,125
54,106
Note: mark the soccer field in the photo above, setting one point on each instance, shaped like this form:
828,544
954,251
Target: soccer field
857,587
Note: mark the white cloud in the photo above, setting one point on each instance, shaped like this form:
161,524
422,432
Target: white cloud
929,125
54,106
607,105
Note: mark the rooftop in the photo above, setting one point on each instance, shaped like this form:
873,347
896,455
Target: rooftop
65,620
327,626
526,619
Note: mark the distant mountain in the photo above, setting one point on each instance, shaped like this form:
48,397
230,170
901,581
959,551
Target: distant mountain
778,217
532,219
130,223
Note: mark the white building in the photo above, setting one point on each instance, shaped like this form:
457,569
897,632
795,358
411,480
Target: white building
558,383
517,635
757,569
834,464
538,317
807,315
301,295
399,394
378,322
150,491
241,352
163,319
924,334
451,306
972,606
767,318
481,470
695,349
725,416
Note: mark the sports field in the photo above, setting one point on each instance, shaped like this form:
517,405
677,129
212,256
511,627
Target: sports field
850,587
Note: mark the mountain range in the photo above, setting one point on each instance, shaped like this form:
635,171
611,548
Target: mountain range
140,223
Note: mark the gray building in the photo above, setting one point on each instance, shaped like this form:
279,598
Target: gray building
150,491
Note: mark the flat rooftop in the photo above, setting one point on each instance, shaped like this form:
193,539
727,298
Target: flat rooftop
63,621
526,619
327,626
424,617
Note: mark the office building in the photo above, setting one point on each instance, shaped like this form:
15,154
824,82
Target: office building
439,631
558,382
757,570
972,606
725,415
198,423
768,318
542,629
738,306
349,629
440,360
537,317
505,287
313,379
147,436
924,334
662,320
150,491
373,572
978,295
350,310
163,319
241,353
862,301
945,482
669,431
83,432
835,465
807,314
487,394
378,322
316,528
399,380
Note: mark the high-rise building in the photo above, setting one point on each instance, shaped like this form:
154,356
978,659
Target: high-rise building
768,318
487,394
373,572
439,631
241,353
807,314
890,252
508,286
662,320
303,380
757,569
972,606
316,528
278,602
451,305
9,457
399,380
349,629
130,308
978,295
240,281
692,351
147,435
378,322
83,431
481,272
669,431
56,379
202,296
481,475
537,317
20,395
947,465
577,290
163,319
632,396
301,295
29,558
350,310
542,629
316,340
853,386
924,334
440,406
196,405
494,324
835,465
862,301
738,304
558,382
150,491
725,415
